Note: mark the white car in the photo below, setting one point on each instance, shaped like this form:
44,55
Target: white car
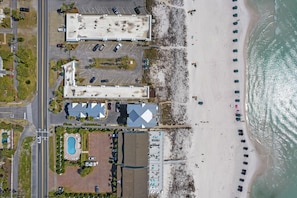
117,47
38,139
91,158
61,29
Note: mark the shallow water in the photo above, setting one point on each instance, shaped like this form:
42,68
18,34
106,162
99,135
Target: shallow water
272,95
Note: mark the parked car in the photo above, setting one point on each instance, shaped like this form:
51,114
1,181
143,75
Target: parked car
24,9
136,9
91,158
101,47
60,11
60,45
236,81
61,29
96,189
237,100
117,47
236,91
95,47
109,106
117,106
104,81
92,79
115,10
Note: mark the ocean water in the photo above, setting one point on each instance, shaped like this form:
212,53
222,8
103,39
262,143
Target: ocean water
272,95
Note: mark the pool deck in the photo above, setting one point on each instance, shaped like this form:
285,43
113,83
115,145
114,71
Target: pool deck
76,155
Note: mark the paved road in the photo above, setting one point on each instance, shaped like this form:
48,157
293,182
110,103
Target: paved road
42,145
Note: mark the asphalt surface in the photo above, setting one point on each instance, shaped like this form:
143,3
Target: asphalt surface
42,145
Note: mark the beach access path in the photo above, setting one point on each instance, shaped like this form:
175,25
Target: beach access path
216,156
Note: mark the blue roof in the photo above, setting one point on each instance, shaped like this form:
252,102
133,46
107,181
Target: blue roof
142,115
95,110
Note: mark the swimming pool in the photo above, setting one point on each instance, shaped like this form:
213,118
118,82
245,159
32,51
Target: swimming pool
71,145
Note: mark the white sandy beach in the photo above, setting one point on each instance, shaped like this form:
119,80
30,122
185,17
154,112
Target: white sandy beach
217,148
214,151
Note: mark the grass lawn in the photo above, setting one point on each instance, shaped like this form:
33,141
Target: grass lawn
52,150
53,74
151,54
124,62
25,168
30,20
7,89
84,141
27,66
2,37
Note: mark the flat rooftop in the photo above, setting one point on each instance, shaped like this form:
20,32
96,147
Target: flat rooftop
71,90
108,27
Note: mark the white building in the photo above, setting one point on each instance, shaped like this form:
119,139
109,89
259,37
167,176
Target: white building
108,27
71,90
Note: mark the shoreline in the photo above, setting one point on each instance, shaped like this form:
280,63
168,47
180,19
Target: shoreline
260,150
256,163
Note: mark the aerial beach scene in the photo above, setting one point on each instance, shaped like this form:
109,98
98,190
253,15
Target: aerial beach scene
221,38
148,98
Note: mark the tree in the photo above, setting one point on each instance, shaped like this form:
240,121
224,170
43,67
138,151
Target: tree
15,15
20,39
85,171
6,11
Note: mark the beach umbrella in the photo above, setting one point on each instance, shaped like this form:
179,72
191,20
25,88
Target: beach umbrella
235,40
235,50
235,15
234,7
235,31
235,23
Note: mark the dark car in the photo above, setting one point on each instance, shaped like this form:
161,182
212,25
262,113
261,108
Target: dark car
236,81
237,100
96,189
24,9
104,81
109,106
92,79
95,47
60,45
236,91
136,9
60,11
115,10
101,47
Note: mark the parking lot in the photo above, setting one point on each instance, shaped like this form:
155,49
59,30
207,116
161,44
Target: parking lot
84,52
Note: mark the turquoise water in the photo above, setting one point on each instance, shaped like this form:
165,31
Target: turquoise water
71,145
272,95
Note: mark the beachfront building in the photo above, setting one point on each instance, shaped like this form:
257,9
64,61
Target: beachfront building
85,110
108,27
142,115
140,163
155,162
133,169
71,90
